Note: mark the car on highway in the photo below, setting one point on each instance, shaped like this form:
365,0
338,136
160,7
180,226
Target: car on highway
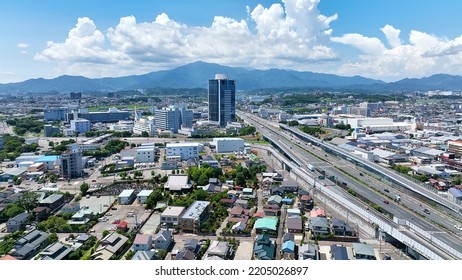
426,211
386,202
386,190
361,174
458,227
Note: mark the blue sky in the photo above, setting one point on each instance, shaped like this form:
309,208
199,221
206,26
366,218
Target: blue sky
387,40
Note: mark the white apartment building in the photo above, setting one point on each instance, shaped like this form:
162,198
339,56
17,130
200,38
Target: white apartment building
184,150
228,145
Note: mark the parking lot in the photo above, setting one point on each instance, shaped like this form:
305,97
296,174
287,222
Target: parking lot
151,224
97,204
127,213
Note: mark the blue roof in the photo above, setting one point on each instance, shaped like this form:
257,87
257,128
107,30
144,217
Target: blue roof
47,158
455,192
288,245
287,200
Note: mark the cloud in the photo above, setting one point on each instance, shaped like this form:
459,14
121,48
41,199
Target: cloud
424,54
392,35
22,45
366,44
293,34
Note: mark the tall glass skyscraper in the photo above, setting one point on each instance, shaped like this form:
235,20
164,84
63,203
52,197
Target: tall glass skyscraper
222,100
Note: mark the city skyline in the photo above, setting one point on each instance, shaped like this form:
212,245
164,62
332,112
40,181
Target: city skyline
383,40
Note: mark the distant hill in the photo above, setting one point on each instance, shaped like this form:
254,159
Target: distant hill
196,75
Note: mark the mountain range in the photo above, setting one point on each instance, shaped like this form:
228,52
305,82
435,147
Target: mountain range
196,75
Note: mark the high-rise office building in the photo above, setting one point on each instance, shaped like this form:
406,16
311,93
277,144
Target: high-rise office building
168,119
222,100
71,162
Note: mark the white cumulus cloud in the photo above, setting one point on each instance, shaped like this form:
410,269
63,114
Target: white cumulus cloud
424,54
293,34
22,45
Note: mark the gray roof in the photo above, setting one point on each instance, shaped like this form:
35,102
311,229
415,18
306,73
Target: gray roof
114,242
218,248
30,242
191,244
178,182
339,252
185,254
195,210
52,198
144,256
363,249
20,218
163,234
56,251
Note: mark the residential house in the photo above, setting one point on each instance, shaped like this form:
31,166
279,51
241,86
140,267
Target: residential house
82,217
144,256
363,251
192,245
271,210
338,252
214,186
275,199
247,193
267,183
55,252
289,186
287,201
294,224
266,225
184,255
317,212
41,213
319,226
308,252
142,242
70,208
264,248
242,202
288,236
238,214
218,250
110,246
306,203
18,222
340,227
276,190
288,247
170,217
163,239
30,244
293,212
53,201
227,202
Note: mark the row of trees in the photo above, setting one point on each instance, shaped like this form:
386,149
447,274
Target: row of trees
13,146
22,126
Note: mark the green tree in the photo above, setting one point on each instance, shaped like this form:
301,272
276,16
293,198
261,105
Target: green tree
105,233
52,238
144,134
28,201
240,180
84,188
13,209
161,254
203,180
130,253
